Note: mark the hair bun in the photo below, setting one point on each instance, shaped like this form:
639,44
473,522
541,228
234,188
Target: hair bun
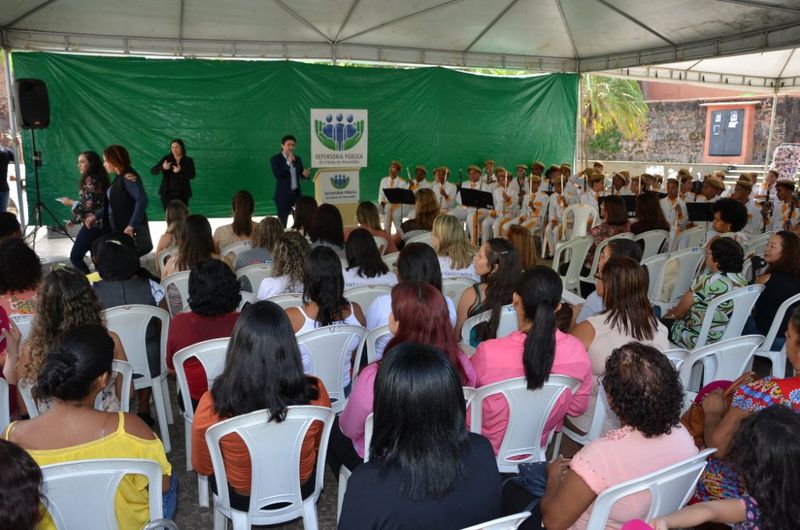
56,374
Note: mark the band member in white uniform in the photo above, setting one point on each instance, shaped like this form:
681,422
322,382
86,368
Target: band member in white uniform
785,215
555,211
532,215
687,183
765,189
461,212
742,193
488,176
674,207
505,206
393,180
445,191
520,185
620,183
417,183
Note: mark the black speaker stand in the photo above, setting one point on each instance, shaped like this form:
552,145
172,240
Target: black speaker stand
39,207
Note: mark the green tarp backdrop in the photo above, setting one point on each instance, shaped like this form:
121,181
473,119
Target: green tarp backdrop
232,114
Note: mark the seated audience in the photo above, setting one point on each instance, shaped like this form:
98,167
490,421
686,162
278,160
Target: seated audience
262,371
720,479
327,229
455,253
765,449
628,316
725,259
369,217
426,210
645,393
324,303
498,266
265,235
75,369
175,216
9,227
196,245
65,301
213,299
649,215
20,488
419,315
20,274
305,207
523,243
614,216
288,262
730,217
364,263
426,469
241,228
535,351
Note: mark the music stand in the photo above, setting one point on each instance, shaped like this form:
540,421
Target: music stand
700,211
629,200
401,196
476,199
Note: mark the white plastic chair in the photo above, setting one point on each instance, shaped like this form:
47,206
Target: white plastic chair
598,250
164,256
528,411
211,354
653,241
689,261
509,522
274,449
655,268
778,358
424,237
454,287
179,281
130,323
82,494
5,405
24,324
390,259
330,349
247,298
758,244
571,298
366,294
370,344
381,243
596,428
572,252
580,213
236,248
254,274
693,237
344,473
743,298
287,300
670,489
508,322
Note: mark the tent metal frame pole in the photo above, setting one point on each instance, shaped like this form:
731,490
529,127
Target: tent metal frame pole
12,120
768,154
578,130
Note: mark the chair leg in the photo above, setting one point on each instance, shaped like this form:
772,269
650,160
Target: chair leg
778,364
310,515
161,412
202,490
167,404
220,521
187,441
241,520
344,475
556,445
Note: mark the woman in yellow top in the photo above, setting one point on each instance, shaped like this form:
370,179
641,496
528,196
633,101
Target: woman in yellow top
71,376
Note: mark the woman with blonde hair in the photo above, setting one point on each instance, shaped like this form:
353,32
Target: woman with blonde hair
426,209
175,216
455,253
288,266
265,236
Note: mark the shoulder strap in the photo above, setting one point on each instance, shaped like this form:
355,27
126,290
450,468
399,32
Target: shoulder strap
7,433
121,425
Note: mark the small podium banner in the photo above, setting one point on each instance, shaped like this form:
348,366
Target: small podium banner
338,186
339,138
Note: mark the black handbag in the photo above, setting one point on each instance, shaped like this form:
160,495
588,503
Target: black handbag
142,239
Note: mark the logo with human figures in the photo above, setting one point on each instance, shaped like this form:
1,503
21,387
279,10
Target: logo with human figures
340,181
338,138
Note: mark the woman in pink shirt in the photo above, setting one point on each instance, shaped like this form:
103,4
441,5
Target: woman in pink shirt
419,315
645,393
535,351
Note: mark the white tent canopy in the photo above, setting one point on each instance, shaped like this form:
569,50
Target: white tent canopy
538,35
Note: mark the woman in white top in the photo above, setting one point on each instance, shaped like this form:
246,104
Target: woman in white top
324,303
241,228
628,316
364,263
288,260
417,262
455,253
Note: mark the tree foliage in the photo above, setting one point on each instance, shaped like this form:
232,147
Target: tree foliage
613,103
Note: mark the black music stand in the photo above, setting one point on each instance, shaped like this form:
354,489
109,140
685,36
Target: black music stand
401,196
476,199
700,211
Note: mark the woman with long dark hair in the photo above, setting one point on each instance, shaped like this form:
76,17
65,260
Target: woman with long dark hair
305,207
649,215
92,189
241,229
20,487
327,229
196,246
177,171
498,265
535,351
364,263
262,371
426,469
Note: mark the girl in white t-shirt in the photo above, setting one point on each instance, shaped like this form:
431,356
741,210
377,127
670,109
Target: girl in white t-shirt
288,261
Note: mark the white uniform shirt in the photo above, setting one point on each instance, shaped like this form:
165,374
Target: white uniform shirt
668,207
449,190
388,182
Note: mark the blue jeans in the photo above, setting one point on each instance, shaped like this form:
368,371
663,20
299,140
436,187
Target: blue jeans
82,245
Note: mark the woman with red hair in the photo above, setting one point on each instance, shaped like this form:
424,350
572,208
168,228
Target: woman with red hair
419,315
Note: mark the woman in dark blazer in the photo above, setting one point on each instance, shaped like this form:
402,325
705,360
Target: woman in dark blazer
176,170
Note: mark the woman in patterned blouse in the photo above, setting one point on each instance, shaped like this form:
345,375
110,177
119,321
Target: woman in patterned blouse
92,195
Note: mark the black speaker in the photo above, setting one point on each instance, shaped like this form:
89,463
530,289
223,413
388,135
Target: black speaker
31,105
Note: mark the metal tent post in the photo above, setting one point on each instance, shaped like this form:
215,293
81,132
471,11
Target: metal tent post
768,155
12,120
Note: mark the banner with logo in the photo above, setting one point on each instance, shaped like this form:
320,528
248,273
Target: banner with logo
339,138
339,186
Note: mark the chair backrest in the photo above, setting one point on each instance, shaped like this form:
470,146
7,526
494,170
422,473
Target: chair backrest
453,287
5,405
424,237
390,259
370,344
580,213
598,250
469,394
693,237
247,298
330,349
731,356
743,300
528,412
164,256
368,426
381,243
508,322
130,323
179,281
778,320
572,252
689,260
758,244
655,268
254,274
287,300
571,298
653,240
211,354
274,449
24,324
669,489
124,370
366,294
509,522
81,494
236,248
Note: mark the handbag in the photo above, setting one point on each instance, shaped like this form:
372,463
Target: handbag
142,239
694,418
